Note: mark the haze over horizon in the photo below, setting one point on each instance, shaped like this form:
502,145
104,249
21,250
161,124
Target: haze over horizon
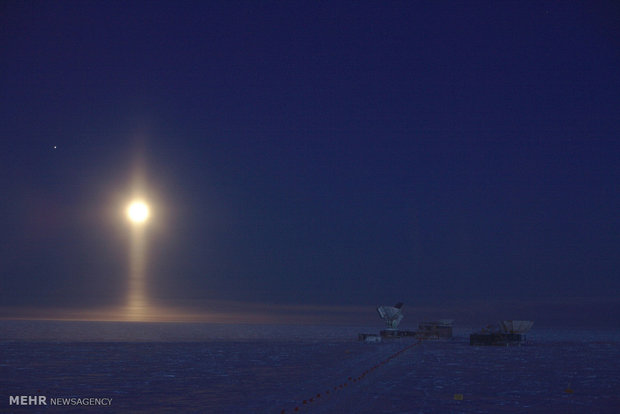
312,157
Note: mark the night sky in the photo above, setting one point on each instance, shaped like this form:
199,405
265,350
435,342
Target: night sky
321,155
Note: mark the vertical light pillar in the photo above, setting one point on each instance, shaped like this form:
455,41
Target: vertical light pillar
138,214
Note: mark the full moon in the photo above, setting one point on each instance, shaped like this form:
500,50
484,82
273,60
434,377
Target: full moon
138,212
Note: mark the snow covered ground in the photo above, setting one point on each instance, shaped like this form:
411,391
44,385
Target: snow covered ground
172,368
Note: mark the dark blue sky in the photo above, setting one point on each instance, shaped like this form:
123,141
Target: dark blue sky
323,153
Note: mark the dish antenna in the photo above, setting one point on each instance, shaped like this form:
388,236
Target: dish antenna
392,315
516,327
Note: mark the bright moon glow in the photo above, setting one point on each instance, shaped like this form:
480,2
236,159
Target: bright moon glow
138,212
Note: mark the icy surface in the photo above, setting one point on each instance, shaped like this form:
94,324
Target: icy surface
266,369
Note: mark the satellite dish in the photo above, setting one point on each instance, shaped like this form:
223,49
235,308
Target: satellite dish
516,327
392,315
